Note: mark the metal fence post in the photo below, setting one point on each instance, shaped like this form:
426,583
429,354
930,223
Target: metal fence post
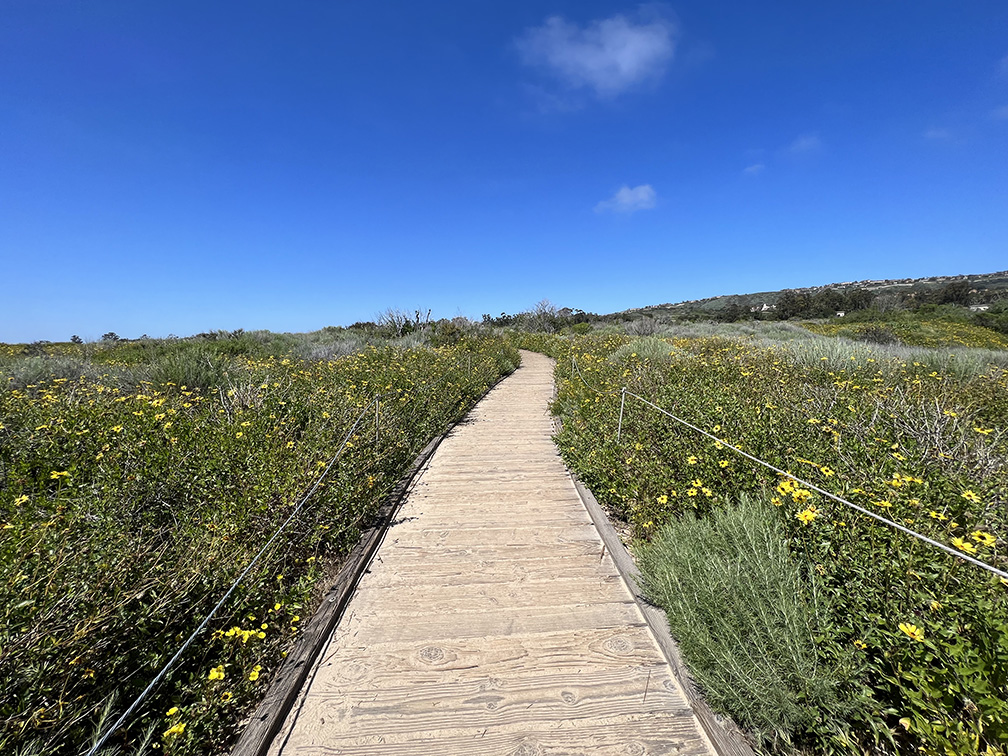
376,401
619,428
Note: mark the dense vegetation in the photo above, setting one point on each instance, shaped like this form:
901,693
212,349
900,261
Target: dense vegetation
817,628
137,479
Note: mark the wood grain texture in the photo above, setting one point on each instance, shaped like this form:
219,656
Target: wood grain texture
493,619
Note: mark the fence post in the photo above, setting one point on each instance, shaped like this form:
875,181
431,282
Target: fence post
376,401
619,428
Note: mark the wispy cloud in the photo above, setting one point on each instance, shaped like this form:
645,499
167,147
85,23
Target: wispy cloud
937,134
627,200
754,170
805,144
607,56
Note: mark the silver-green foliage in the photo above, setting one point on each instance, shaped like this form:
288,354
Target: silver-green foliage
736,603
648,348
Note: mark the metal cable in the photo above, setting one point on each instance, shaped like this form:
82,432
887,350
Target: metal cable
827,494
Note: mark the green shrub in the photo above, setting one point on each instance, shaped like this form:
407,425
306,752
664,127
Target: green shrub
746,617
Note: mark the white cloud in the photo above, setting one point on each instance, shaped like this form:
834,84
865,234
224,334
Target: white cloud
607,56
628,200
1000,113
754,170
805,144
934,133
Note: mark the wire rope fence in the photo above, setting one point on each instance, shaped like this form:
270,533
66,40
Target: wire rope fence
625,392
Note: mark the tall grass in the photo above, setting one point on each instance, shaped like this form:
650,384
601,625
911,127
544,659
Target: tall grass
753,329
837,353
648,348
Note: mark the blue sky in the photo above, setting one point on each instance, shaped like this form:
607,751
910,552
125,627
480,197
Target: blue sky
173,167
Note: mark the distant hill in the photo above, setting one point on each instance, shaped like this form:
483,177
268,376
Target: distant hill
981,288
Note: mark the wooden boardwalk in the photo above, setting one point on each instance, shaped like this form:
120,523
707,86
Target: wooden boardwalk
492,620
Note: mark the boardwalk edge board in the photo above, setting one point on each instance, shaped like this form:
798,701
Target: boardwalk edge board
268,719
724,735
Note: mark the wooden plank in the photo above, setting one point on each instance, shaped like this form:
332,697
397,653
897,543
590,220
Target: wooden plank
627,737
390,624
572,649
425,702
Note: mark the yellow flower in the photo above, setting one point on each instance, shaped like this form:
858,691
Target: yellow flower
216,673
982,537
860,644
723,463
226,696
936,606
663,499
172,711
254,674
983,431
176,729
807,515
20,500
912,630
970,496
692,460
962,545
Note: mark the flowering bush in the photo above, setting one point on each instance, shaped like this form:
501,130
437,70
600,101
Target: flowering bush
918,637
127,510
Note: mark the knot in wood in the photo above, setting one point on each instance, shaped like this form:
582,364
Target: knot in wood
618,644
431,654
527,748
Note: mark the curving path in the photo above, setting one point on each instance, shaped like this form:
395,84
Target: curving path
492,621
